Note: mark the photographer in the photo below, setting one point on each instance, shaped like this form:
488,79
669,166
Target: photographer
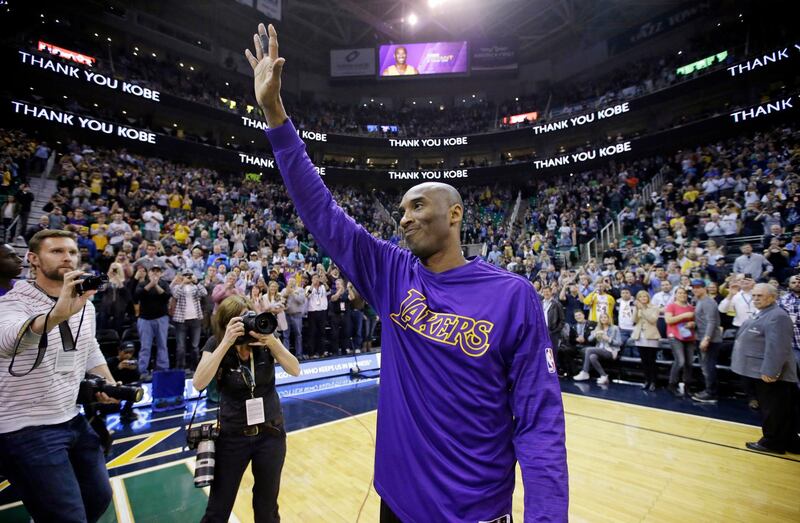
48,451
249,433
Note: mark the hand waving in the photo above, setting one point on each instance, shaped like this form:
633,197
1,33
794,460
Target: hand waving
267,68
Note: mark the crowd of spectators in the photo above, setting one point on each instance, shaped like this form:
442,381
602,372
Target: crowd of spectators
175,240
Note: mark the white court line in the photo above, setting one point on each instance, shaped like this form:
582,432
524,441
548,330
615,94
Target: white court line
122,504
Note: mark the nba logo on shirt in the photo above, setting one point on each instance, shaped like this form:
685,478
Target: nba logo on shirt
551,362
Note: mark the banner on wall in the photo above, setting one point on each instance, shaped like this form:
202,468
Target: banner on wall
493,56
659,25
74,56
352,62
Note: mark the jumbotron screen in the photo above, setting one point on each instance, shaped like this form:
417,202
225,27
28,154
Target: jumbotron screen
423,59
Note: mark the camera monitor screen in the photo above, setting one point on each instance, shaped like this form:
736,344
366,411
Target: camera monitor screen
423,59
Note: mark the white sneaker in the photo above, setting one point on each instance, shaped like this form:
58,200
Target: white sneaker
581,376
602,380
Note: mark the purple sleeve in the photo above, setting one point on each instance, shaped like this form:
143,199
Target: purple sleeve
538,420
362,257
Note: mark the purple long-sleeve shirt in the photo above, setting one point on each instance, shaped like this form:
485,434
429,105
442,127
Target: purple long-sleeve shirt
468,383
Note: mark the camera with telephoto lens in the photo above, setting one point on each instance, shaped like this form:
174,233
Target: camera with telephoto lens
90,282
263,323
91,385
202,438
96,411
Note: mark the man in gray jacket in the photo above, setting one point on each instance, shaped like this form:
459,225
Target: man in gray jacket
709,335
295,308
763,354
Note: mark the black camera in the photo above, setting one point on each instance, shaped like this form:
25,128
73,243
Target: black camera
91,385
263,323
96,411
89,282
201,433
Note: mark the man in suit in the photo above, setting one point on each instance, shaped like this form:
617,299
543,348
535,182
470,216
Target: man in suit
576,341
763,354
553,316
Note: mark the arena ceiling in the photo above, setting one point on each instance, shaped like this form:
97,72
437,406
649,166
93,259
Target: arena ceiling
311,27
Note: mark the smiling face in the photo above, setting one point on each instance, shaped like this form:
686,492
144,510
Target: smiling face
400,55
431,218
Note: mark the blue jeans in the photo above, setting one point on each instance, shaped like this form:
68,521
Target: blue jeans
59,471
357,326
148,330
708,363
193,329
295,328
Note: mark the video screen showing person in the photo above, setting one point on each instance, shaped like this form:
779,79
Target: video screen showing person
423,58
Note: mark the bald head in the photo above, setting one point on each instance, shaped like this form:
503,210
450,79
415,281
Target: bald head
431,219
439,191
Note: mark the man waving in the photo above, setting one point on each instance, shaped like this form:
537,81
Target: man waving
468,378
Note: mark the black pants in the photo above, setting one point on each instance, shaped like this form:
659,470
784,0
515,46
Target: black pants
340,332
648,355
316,330
565,358
775,401
234,452
387,516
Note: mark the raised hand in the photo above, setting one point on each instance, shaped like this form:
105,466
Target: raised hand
267,68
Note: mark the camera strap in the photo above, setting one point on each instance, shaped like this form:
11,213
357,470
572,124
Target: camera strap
194,413
69,343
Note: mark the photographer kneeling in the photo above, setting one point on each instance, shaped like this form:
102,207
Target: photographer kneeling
251,421
48,451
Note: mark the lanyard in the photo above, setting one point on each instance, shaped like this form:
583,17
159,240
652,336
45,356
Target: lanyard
249,375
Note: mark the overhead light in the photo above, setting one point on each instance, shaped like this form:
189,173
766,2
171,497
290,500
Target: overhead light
233,137
412,19
31,88
95,104
252,141
473,96
680,52
227,84
516,99
372,99
415,103
199,42
181,64
108,38
58,21
135,48
154,55
65,97
191,68
96,35
124,111
174,125
135,53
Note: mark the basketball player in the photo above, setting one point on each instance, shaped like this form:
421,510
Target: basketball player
400,67
468,379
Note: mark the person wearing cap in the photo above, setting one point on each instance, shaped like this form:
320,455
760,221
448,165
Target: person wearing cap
762,354
152,294
709,334
124,366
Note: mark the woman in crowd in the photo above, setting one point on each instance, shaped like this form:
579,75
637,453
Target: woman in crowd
679,316
607,341
646,337
250,417
273,302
